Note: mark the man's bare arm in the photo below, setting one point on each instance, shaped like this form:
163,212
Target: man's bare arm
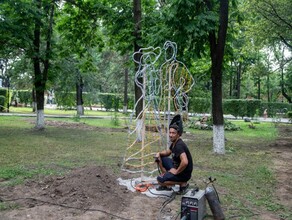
183,164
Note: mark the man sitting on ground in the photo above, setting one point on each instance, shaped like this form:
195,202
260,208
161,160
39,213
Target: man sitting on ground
178,169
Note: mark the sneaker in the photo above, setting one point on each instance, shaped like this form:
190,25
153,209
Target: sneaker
183,189
163,188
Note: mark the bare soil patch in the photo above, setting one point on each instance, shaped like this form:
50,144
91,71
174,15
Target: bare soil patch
282,149
92,192
86,193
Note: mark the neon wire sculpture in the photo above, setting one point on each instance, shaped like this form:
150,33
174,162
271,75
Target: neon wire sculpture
164,93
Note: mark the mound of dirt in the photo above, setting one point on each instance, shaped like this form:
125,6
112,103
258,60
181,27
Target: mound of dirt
88,189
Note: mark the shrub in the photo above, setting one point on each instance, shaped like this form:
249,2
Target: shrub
200,105
24,96
90,98
115,101
252,106
4,100
275,108
2,103
208,125
235,107
66,99
289,115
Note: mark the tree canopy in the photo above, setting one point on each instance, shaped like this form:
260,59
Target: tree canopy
87,45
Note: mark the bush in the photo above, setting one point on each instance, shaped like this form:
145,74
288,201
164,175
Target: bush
275,108
208,125
90,98
200,105
115,101
24,96
66,99
4,99
235,107
289,115
252,106
2,102
109,101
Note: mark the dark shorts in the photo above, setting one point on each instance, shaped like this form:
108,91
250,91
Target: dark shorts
168,164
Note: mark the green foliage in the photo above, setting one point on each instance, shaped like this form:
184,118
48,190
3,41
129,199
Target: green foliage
2,102
131,102
3,98
229,126
3,92
202,124
241,107
90,98
114,101
66,100
289,116
275,108
24,96
251,107
235,107
115,119
200,105
76,117
8,206
9,173
109,101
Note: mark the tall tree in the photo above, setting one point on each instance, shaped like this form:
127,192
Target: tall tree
41,74
273,27
282,62
80,32
217,45
28,28
137,10
123,21
274,20
195,27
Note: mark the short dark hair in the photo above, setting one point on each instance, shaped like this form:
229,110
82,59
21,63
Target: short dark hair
174,126
177,124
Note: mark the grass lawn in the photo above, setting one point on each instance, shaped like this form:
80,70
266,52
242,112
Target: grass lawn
244,174
48,111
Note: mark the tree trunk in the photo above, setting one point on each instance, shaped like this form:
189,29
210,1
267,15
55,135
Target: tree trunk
79,99
268,87
126,71
238,81
217,54
259,88
34,103
230,86
138,93
137,35
41,77
38,79
282,86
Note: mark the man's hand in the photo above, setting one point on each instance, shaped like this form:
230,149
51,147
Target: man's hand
157,155
173,171
182,166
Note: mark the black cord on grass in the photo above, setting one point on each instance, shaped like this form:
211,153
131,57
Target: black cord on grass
64,206
165,203
159,194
